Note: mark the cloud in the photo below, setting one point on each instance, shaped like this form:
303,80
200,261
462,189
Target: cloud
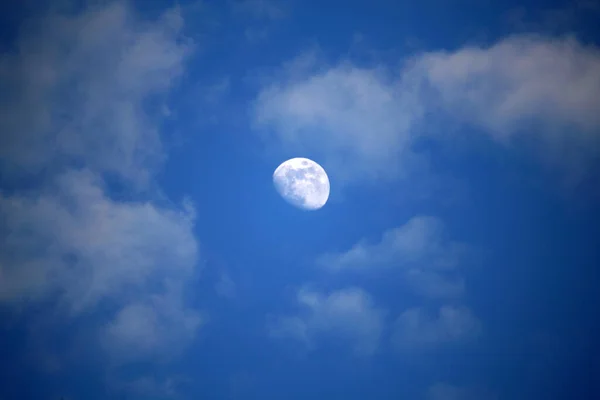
82,104
365,123
434,284
225,286
358,120
82,89
416,329
444,391
420,241
524,89
429,259
73,240
420,247
160,325
73,243
349,315
522,79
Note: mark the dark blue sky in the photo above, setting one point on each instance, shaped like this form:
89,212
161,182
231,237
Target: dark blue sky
145,253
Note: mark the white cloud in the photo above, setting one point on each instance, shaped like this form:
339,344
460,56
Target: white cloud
159,325
74,240
78,90
364,122
420,241
524,89
349,315
420,247
358,120
74,243
416,329
82,99
553,82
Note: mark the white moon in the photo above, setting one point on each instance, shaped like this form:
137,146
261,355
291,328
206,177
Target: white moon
303,183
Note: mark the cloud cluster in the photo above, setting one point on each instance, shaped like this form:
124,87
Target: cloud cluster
368,124
73,239
420,248
365,123
358,120
88,89
349,315
82,101
429,259
517,82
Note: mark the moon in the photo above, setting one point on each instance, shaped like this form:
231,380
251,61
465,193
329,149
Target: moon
302,183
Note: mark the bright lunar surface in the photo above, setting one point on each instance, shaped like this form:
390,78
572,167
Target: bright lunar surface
303,183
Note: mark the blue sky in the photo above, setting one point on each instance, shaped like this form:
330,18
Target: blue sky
145,253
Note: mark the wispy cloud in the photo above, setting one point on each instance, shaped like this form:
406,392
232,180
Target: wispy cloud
365,123
420,247
524,89
416,329
521,80
73,239
358,120
430,261
83,98
79,87
160,325
421,240
436,284
347,315
225,286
